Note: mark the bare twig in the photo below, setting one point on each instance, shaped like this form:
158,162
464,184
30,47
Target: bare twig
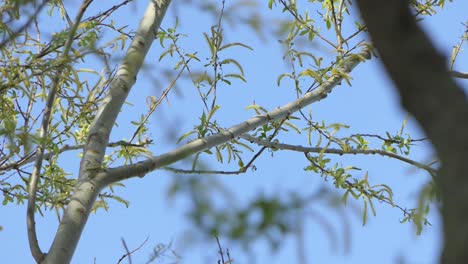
128,252
220,250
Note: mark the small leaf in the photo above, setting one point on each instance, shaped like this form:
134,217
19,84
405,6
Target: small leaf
278,81
235,44
364,214
184,136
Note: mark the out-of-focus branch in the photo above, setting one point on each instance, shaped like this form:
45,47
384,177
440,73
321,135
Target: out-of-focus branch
430,94
461,75
24,26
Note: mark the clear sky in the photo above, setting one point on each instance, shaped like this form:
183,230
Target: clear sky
369,106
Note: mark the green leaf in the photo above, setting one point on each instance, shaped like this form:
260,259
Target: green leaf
294,127
210,44
192,56
278,80
314,74
213,111
219,156
184,136
344,199
235,44
364,214
270,3
258,109
229,61
236,76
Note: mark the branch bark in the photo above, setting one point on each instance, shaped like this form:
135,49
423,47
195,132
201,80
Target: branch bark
430,94
88,186
142,168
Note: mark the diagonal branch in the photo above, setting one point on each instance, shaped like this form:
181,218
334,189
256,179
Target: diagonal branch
142,168
88,187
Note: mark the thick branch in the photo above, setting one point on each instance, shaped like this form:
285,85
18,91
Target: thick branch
429,93
88,187
142,168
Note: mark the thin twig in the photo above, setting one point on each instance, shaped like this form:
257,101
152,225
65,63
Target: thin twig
380,198
183,171
298,19
386,139
129,253
270,138
299,148
160,99
220,249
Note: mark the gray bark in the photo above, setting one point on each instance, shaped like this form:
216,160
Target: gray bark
88,186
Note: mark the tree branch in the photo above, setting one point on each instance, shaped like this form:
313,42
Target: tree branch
298,148
431,95
217,172
142,168
33,180
88,186
461,75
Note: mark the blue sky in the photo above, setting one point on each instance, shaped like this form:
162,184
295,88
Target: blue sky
369,106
